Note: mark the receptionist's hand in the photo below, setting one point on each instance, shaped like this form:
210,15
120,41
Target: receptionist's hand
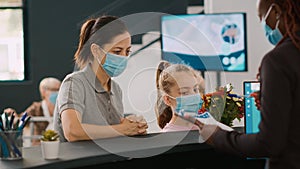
256,96
207,131
131,128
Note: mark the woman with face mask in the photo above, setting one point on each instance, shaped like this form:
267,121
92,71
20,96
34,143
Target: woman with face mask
278,139
89,104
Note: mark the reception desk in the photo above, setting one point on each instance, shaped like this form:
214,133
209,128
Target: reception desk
177,149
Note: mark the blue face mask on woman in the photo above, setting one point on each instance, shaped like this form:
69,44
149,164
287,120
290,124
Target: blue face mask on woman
274,36
114,64
188,104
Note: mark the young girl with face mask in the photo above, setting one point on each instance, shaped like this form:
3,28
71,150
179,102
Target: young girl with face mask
180,89
89,103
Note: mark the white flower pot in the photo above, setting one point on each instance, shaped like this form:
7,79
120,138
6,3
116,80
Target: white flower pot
50,149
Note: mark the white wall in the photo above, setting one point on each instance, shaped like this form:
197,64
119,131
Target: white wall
138,81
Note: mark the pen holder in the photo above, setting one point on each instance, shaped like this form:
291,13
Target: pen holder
11,145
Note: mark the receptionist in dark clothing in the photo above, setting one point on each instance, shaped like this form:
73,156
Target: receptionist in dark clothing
278,139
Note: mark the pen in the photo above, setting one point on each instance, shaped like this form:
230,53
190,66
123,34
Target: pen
1,126
4,148
22,119
21,126
12,117
6,121
11,142
24,116
15,126
26,121
1,150
1,119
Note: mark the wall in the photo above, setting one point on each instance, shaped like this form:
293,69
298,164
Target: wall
51,37
138,81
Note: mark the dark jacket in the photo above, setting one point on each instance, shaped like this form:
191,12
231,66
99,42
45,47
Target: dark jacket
279,135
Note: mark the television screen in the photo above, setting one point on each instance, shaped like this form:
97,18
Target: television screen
207,42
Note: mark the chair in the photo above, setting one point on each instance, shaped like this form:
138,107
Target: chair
27,139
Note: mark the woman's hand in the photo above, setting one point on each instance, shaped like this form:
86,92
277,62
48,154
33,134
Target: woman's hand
131,126
136,118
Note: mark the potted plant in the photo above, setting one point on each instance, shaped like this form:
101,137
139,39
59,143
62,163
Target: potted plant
50,144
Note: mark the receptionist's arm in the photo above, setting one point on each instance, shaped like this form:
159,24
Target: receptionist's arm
276,114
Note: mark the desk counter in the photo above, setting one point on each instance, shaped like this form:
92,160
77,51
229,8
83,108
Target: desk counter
181,149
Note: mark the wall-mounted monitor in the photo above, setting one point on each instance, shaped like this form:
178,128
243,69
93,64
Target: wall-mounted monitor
207,42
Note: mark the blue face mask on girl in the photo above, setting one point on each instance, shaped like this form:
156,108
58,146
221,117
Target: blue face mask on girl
114,64
189,104
274,36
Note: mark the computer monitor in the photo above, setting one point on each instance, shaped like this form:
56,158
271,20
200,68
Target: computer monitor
207,42
252,114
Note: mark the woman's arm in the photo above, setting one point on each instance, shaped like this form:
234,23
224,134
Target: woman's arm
74,130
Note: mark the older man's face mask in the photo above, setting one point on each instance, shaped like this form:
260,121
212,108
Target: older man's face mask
53,97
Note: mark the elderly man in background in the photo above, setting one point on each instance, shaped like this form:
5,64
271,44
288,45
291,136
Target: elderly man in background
48,89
